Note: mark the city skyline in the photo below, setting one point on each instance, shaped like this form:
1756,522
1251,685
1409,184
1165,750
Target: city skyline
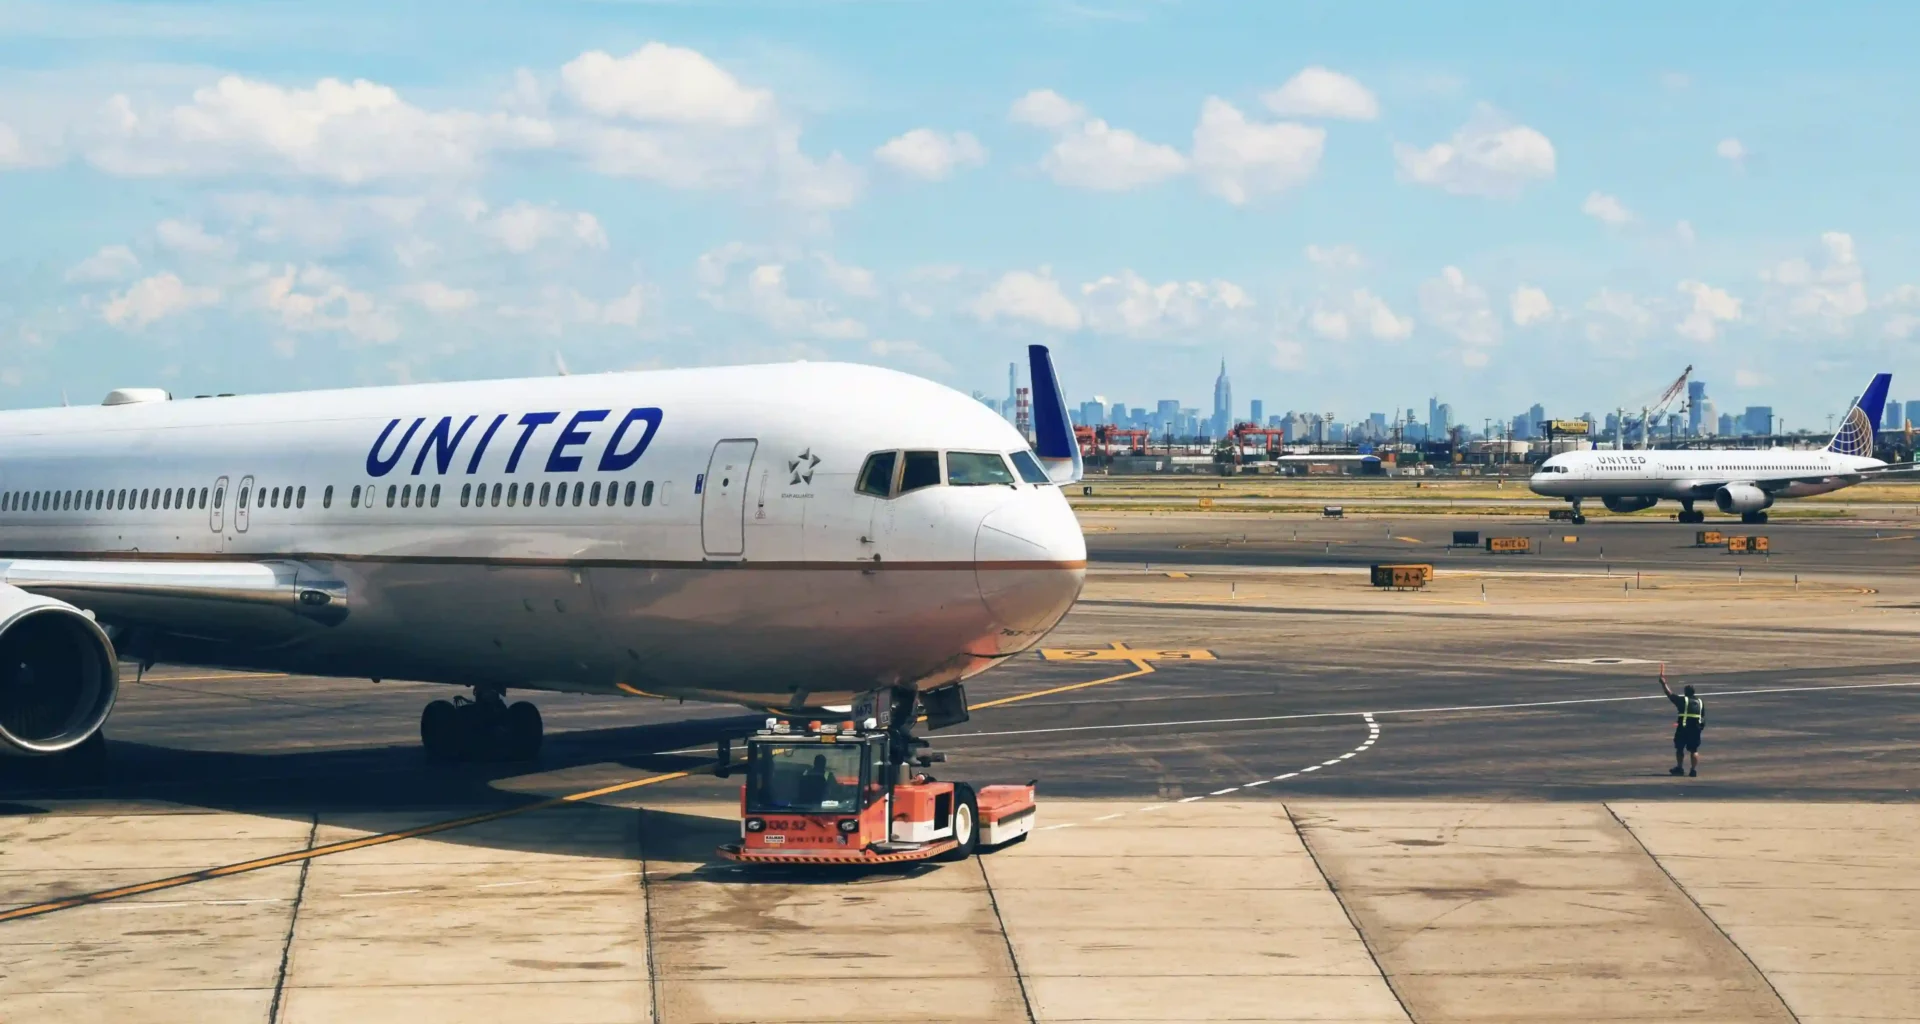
1697,416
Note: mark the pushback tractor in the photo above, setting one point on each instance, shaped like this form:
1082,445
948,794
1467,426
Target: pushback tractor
827,793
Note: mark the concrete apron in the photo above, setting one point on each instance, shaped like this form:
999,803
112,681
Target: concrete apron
1255,910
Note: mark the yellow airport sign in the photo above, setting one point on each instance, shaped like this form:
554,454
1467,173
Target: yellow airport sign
1121,654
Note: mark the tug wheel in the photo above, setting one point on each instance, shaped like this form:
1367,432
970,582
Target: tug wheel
966,823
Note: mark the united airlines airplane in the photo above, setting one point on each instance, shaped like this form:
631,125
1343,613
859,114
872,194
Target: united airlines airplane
1744,481
783,536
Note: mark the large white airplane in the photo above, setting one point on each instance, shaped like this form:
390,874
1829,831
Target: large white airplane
782,536
1745,481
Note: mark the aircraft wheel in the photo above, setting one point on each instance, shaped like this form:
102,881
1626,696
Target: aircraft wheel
1579,520
966,823
440,729
523,732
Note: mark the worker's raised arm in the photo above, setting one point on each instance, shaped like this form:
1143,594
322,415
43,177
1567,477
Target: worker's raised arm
1664,688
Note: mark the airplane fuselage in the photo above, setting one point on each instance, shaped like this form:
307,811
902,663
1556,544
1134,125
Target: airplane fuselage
1694,475
692,533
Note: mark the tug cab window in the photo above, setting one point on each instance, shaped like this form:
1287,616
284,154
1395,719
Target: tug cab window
876,477
973,469
920,469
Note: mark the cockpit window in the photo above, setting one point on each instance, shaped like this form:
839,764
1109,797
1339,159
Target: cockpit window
922,469
971,469
1030,469
876,477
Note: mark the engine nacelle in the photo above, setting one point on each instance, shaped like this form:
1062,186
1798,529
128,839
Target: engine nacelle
58,675
1628,504
1741,498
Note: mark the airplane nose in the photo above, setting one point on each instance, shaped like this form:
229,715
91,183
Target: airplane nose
1030,560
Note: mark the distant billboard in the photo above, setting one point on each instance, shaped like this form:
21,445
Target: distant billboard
1565,426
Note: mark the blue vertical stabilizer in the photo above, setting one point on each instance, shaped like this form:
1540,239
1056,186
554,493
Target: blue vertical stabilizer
1053,438
1854,436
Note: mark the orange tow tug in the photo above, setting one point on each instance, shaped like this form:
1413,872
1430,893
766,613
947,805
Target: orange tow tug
830,793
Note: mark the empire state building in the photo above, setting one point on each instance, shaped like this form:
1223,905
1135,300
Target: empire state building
1222,402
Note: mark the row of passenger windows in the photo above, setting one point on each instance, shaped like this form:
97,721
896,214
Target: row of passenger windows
608,493
890,474
105,500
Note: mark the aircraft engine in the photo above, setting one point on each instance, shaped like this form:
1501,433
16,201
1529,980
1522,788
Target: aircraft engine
1628,504
58,675
1741,498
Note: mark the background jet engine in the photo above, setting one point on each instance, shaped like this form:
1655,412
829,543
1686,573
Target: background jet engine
58,675
1741,498
1628,504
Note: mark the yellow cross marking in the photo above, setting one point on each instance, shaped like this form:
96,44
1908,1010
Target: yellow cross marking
1121,654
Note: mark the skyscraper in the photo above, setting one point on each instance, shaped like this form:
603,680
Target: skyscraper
1259,411
1222,402
1536,416
1890,419
1913,413
1013,390
1696,401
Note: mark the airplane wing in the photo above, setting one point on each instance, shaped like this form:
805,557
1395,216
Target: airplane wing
195,596
1705,488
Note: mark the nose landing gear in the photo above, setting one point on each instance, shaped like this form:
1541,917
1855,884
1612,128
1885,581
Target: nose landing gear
485,728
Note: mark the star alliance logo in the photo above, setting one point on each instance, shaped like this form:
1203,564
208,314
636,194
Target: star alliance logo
802,467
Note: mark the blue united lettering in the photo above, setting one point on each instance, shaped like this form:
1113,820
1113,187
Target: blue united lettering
568,448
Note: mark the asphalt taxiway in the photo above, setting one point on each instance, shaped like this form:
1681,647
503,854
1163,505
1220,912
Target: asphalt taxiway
1270,792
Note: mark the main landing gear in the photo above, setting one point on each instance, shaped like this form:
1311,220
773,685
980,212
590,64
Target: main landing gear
485,728
1753,518
1688,515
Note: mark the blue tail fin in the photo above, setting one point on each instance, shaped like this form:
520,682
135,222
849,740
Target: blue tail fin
1053,438
1855,433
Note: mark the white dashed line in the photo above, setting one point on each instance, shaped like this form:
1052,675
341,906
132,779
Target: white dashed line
1373,736
388,892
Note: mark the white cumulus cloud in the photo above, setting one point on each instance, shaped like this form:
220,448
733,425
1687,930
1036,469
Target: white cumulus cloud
156,298
1606,209
1127,303
1528,306
925,153
664,84
1024,295
524,227
351,132
1044,108
1098,156
189,238
1319,92
1461,308
1237,159
12,153
1488,156
1336,257
438,297
1823,299
1360,312
316,299
1709,308
111,263
1732,150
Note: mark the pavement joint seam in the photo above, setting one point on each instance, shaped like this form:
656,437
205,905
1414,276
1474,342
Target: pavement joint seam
293,924
1764,978
1334,891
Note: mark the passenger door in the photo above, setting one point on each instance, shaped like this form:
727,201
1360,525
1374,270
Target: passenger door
723,498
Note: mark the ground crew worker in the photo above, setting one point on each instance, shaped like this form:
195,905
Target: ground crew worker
1687,726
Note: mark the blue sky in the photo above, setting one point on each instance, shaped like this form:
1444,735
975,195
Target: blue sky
1357,205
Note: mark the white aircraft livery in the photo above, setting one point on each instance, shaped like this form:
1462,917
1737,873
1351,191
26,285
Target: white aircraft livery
1742,481
781,536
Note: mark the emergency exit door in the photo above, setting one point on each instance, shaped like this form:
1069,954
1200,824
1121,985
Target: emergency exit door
723,498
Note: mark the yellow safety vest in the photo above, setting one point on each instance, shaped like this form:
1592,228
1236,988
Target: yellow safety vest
1693,711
